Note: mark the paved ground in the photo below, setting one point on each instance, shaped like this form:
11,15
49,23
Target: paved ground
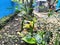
42,14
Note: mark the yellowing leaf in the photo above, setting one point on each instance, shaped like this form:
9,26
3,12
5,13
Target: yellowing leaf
20,34
26,26
34,19
31,23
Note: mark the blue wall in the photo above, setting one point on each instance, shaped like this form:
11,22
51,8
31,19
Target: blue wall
58,5
6,8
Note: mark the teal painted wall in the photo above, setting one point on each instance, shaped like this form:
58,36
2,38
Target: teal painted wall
7,7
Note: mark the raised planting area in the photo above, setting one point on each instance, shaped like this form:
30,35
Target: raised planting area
32,25
46,30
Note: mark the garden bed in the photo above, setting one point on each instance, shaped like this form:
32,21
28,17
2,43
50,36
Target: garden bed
9,35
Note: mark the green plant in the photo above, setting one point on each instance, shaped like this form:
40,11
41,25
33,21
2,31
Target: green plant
37,38
50,12
34,38
40,37
57,40
25,5
26,10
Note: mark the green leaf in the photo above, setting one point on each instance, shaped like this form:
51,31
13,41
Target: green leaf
30,40
38,38
41,33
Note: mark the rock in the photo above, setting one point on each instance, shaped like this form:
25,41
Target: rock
52,20
7,26
16,19
0,36
2,42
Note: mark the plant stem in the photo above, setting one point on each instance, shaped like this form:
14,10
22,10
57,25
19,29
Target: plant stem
22,24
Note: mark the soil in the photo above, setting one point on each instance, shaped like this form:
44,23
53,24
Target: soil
8,35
